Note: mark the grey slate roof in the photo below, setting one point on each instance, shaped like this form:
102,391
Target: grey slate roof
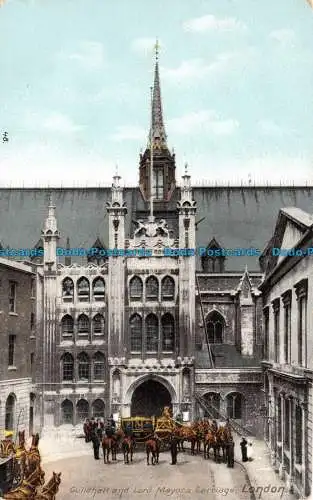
238,217
225,356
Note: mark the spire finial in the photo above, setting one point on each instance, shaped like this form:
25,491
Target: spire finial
186,168
156,48
116,170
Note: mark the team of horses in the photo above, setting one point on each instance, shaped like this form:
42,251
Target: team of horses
27,468
203,436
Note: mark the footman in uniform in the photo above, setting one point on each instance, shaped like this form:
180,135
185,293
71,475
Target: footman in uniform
96,445
173,447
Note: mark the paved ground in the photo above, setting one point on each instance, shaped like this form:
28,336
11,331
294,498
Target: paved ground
192,478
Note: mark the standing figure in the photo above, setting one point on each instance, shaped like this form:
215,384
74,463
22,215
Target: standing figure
96,445
173,447
243,445
230,453
86,428
112,422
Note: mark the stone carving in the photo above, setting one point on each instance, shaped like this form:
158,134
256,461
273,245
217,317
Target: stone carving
116,386
151,228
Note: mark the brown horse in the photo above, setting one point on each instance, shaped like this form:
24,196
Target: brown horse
209,442
152,447
222,437
33,455
50,490
27,489
128,449
108,446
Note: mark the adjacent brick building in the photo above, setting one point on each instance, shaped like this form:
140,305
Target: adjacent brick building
288,349
18,346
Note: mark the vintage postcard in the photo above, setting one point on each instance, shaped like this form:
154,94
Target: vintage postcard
156,249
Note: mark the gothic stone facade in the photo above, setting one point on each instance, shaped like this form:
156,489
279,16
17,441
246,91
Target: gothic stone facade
17,353
288,370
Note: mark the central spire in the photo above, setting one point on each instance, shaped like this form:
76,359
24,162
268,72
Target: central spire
157,131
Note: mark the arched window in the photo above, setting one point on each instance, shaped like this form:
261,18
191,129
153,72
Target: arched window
98,408
98,289
83,290
68,367
98,324
215,327
68,290
67,412
158,184
135,333
168,288
152,289
83,325
152,329
135,288
98,366
167,333
83,367
10,412
82,410
234,405
214,402
67,325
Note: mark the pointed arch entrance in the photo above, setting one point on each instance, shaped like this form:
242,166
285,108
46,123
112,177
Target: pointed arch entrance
148,396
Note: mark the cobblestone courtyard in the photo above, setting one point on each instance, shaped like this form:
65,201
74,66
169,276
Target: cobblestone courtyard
192,478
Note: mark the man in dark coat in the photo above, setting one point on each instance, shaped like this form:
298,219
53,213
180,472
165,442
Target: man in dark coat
173,448
112,422
243,446
87,430
230,453
96,445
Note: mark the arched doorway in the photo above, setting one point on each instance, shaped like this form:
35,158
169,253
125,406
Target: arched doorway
149,398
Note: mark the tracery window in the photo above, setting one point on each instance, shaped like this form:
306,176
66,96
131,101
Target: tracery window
83,366
98,288
152,328
67,326
98,366
68,290
83,324
167,333
136,333
234,405
136,287
68,367
98,324
152,289
83,290
215,327
168,288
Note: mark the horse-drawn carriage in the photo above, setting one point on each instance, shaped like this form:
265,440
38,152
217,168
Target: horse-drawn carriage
141,427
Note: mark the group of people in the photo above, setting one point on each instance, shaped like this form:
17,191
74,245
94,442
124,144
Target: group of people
95,430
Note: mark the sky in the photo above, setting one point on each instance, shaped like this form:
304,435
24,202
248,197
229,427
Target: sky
236,85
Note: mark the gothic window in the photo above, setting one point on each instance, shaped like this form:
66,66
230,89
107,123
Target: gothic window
82,410
152,289
299,435
67,326
67,412
98,408
98,289
158,184
68,367
98,366
213,400
83,324
10,412
135,287
152,328
168,288
98,324
301,328
83,290
168,333
234,405
136,333
215,328
68,290
83,367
